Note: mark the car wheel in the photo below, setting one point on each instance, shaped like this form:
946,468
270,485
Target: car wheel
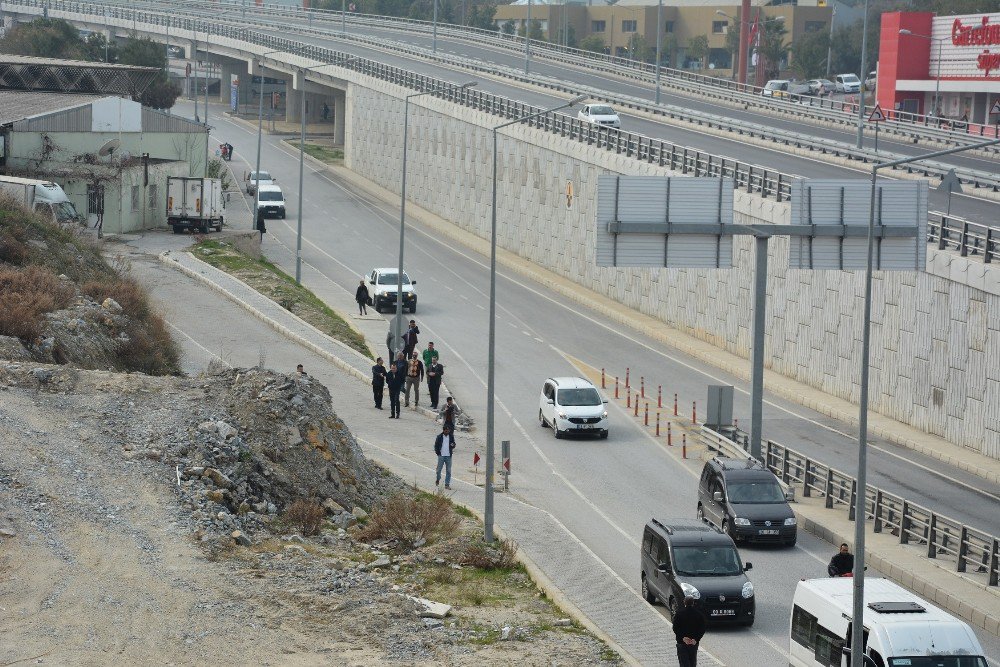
604,435
791,543
204,228
672,607
541,420
556,431
647,594
178,229
701,512
282,215
725,529
749,624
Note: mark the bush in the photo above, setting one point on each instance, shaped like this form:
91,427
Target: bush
150,349
306,514
407,519
129,295
501,555
25,296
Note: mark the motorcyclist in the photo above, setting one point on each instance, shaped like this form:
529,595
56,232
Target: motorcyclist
842,563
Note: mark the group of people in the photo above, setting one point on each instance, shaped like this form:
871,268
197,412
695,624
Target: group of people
407,372
226,151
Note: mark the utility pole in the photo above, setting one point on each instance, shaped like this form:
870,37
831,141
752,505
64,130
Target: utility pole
829,45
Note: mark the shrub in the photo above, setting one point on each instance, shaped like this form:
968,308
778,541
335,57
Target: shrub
12,250
407,519
128,293
25,296
306,514
150,349
501,555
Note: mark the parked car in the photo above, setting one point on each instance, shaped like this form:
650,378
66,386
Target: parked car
744,499
272,200
572,405
847,83
796,87
776,88
263,178
383,284
600,114
871,80
684,557
821,87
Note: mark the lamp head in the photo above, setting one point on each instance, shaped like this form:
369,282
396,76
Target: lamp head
904,31
577,99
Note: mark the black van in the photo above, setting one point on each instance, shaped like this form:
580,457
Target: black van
684,557
744,499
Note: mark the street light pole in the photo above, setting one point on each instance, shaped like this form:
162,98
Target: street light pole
829,45
491,376
659,30
860,496
398,321
861,88
260,134
527,39
343,17
434,39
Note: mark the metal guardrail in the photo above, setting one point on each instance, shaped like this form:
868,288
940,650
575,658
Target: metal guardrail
913,126
971,549
967,237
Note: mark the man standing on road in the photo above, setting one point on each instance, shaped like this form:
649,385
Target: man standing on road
430,355
378,382
400,366
362,297
842,562
414,376
394,381
410,338
434,372
390,342
450,412
689,628
444,445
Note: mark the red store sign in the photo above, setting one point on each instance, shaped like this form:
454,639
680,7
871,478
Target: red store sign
984,34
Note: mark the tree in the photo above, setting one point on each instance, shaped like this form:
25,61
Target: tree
698,48
97,47
534,31
593,43
570,37
509,27
639,50
773,47
481,15
809,54
733,42
45,38
162,92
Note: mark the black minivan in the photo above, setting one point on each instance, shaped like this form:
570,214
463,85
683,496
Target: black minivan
684,557
744,499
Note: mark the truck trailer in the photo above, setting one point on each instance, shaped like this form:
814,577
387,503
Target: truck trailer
195,203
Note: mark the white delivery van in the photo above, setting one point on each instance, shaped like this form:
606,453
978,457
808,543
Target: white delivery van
900,629
43,197
194,203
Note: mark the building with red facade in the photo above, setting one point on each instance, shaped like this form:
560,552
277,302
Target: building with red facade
956,58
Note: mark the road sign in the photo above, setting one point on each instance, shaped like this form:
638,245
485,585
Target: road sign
950,183
995,109
401,324
657,222
876,116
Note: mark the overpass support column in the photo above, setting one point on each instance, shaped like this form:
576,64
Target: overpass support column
226,71
292,103
339,116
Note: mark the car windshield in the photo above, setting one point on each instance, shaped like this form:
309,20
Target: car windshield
602,111
65,211
263,176
755,492
270,196
585,396
392,279
850,78
939,661
700,561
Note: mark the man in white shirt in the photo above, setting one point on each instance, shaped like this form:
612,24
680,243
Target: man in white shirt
444,445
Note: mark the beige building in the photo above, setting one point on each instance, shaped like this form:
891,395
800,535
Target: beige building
683,20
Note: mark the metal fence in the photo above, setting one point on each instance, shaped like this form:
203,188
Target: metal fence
971,549
968,238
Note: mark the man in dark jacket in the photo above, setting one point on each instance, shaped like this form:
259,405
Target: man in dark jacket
394,381
842,562
378,382
410,338
689,628
434,372
444,445
362,297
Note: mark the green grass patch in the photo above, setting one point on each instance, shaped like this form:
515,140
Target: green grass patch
473,587
281,288
325,153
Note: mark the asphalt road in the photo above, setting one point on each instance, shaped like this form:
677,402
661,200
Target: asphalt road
604,491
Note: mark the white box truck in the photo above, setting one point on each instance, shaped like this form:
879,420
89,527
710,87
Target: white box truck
900,629
43,197
195,203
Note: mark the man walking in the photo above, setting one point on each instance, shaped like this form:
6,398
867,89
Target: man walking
842,562
444,445
430,355
378,382
394,381
414,376
362,297
450,412
689,628
434,372
410,338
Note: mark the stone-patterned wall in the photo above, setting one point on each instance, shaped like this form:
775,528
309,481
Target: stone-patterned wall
936,342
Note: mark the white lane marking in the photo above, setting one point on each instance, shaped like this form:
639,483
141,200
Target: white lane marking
204,349
527,333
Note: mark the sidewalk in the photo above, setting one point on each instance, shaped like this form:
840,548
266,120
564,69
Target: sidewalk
563,566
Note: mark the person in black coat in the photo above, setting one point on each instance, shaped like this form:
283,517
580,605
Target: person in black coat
842,562
410,338
434,372
689,628
378,382
394,379
362,297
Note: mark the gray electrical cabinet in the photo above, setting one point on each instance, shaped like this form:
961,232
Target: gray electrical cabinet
720,406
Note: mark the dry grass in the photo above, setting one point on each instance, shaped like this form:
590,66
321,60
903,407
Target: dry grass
407,519
306,514
501,555
25,296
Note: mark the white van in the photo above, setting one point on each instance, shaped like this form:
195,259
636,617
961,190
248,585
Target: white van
901,630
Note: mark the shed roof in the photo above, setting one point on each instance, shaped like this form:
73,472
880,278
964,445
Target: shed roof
17,105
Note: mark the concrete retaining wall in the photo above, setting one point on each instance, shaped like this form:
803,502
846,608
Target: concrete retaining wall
936,341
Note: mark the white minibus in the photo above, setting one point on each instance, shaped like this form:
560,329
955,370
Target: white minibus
901,630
